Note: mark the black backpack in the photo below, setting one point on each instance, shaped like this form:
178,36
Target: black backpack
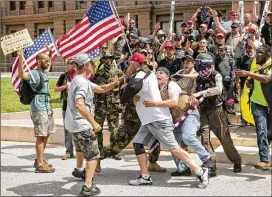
26,93
133,87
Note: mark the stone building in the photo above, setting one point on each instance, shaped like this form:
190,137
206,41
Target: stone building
62,16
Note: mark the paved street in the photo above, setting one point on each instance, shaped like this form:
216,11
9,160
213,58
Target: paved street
18,177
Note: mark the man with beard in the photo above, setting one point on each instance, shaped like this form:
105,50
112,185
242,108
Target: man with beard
170,62
62,86
261,103
158,38
41,112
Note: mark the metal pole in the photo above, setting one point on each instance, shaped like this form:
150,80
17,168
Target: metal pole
28,68
172,13
118,19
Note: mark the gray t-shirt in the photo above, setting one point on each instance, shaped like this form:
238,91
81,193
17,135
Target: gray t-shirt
79,88
41,102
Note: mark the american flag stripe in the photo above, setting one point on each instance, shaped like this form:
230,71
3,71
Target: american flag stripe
84,43
97,27
31,63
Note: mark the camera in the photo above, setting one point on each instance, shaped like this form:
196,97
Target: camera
190,38
247,36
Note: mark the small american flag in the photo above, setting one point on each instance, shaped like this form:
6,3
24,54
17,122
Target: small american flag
97,27
30,56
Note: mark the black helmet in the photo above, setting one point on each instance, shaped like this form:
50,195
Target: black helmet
205,59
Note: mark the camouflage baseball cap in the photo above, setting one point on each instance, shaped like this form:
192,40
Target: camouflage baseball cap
84,58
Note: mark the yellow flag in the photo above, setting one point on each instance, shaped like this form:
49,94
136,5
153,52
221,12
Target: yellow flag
245,108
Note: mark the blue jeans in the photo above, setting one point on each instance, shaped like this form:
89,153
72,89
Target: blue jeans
68,138
186,132
260,114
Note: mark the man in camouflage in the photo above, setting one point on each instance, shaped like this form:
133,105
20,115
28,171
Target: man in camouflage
129,128
107,105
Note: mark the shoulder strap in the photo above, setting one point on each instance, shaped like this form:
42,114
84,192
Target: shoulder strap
41,82
227,37
147,74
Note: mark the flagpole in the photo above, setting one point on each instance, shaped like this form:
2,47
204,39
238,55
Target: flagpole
172,13
118,19
28,68
54,43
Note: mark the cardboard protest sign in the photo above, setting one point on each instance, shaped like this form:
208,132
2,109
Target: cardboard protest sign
16,41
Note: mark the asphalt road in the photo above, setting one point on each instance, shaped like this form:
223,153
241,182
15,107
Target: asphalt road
18,177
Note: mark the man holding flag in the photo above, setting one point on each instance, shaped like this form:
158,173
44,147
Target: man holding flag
38,63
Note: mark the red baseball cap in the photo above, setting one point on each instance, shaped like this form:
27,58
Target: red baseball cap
233,12
189,22
220,35
251,29
137,57
169,45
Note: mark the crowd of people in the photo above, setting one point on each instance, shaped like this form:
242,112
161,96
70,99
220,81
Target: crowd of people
192,77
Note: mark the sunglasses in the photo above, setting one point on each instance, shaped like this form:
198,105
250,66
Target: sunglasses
106,58
177,39
220,50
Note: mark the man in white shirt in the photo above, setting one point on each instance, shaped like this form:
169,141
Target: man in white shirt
156,124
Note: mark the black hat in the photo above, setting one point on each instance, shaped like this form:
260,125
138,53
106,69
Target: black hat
108,55
269,15
236,25
183,25
163,69
188,57
178,36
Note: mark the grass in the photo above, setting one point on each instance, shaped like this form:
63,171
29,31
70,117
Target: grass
10,100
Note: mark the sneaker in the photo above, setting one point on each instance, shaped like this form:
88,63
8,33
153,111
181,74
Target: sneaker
35,165
141,181
156,167
79,174
98,167
91,191
44,168
67,156
204,179
117,157
211,165
186,172
262,165
237,168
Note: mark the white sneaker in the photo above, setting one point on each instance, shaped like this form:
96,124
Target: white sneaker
141,181
204,179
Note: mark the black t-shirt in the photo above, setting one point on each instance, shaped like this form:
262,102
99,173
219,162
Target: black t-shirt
180,52
62,81
134,48
267,34
173,65
245,65
208,37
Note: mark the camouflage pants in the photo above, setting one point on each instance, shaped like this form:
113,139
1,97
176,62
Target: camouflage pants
101,113
86,142
126,133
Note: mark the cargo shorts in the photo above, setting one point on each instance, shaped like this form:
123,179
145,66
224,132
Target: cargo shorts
86,142
43,122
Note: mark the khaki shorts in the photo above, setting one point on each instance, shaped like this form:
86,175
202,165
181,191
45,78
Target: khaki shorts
43,123
86,142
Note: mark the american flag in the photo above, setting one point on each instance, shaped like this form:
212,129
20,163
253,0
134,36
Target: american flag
94,53
30,56
97,27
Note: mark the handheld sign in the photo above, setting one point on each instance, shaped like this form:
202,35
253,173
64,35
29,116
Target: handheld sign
16,41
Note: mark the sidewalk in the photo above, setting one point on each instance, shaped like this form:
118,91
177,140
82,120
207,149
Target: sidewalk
18,177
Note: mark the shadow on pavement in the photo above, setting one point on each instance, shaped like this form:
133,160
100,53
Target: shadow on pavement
19,169
46,156
52,188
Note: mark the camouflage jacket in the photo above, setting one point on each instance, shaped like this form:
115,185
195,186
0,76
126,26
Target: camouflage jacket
108,74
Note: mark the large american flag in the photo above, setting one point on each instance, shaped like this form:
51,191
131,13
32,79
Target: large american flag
97,27
30,56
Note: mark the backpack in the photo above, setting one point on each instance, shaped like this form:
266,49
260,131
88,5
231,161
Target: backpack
26,93
133,87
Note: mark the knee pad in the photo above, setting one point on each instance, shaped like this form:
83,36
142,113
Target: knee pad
138,148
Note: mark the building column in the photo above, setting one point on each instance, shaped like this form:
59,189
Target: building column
29,7
31,29
144,22
70,24
58,28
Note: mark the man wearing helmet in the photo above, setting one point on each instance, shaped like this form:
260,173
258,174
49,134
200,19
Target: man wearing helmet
158,38
212,117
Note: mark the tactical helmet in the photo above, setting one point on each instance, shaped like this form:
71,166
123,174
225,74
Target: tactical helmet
205,59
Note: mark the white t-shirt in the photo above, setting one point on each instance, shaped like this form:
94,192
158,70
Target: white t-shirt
173,89
79,88
150,90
